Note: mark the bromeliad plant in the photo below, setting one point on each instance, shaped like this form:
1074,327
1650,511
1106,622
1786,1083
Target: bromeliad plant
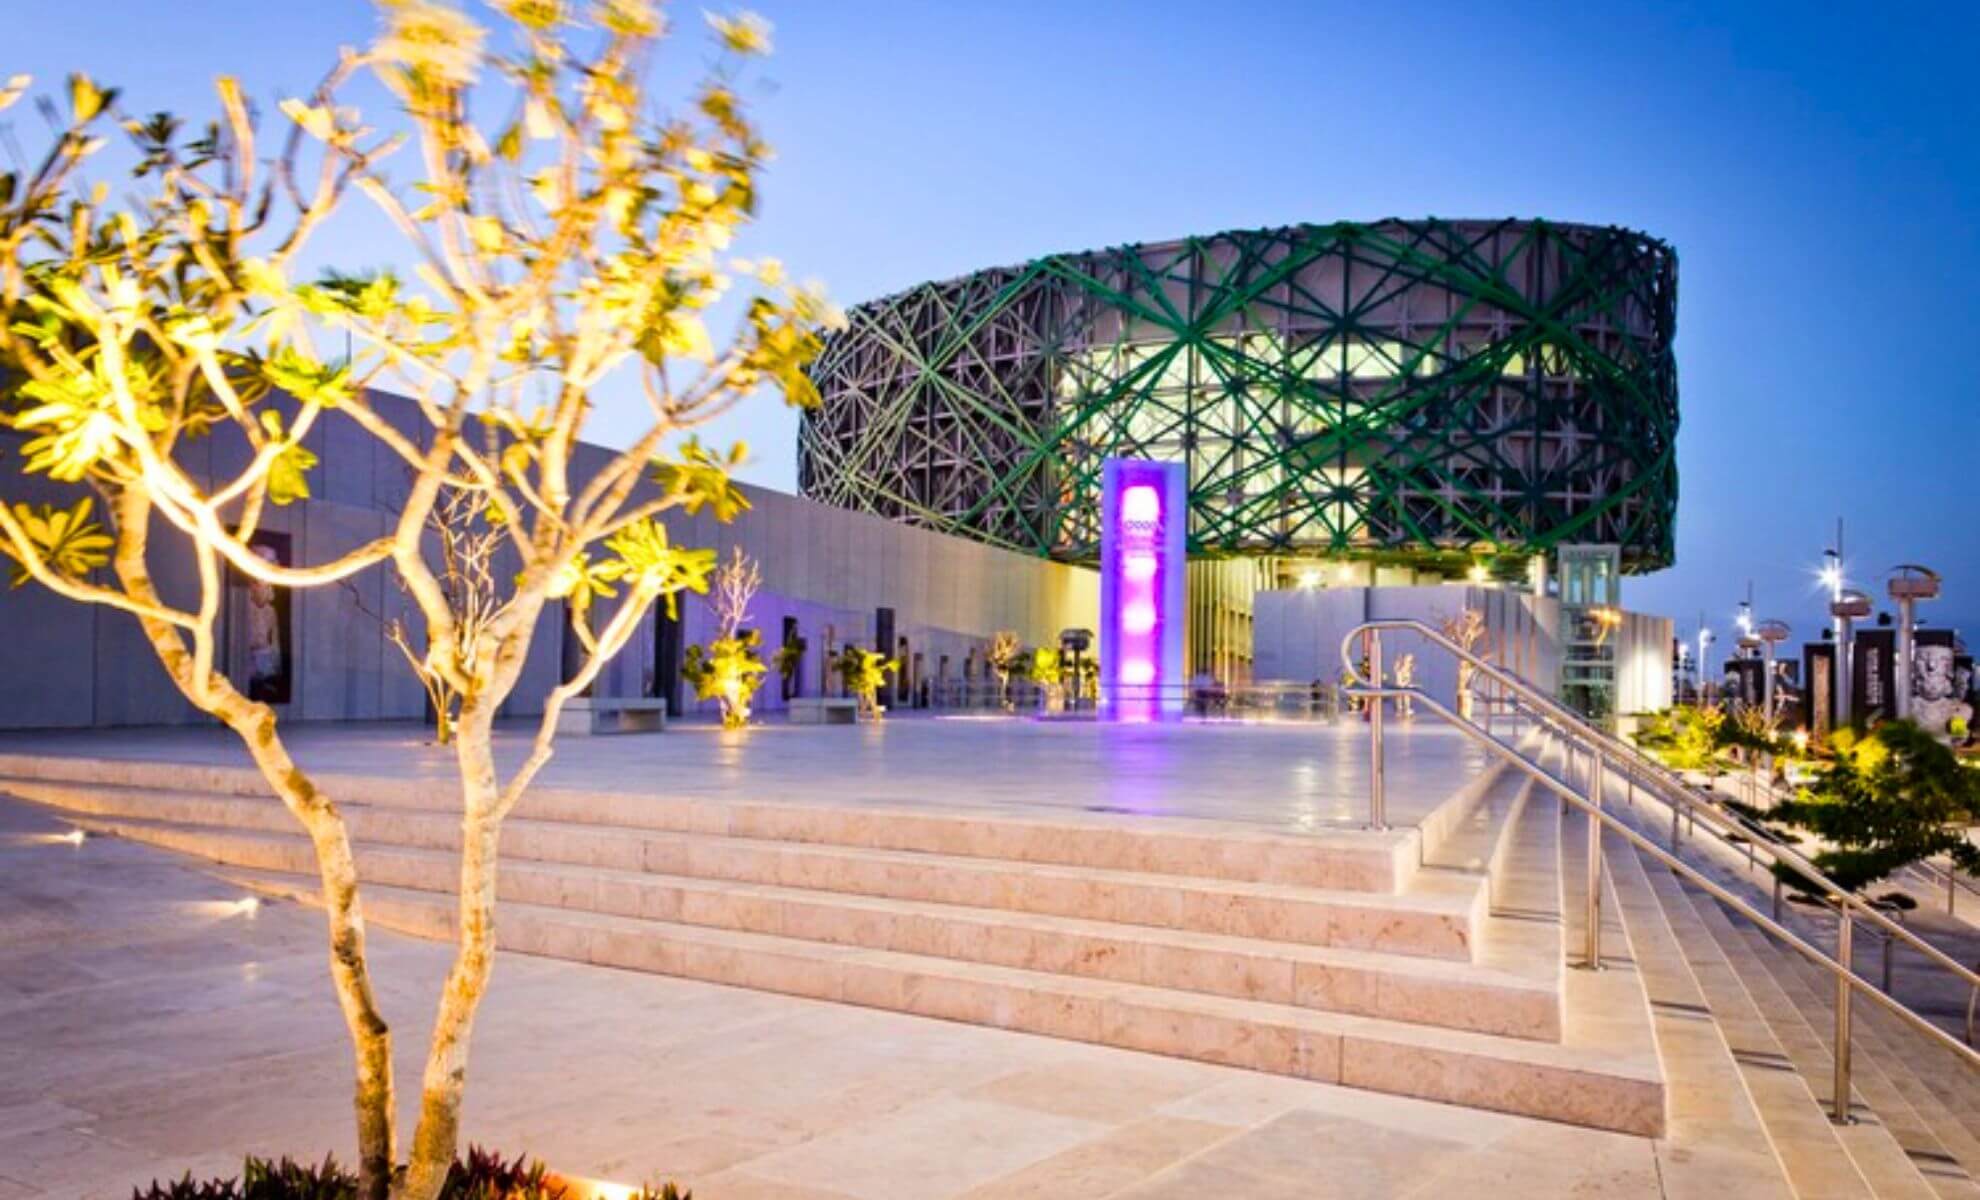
559,233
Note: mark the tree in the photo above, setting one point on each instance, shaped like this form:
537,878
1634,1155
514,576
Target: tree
1885,799
1467,629
1684,737
467,546
730,670
789,660
1042,670
575,239
864,671
1004,656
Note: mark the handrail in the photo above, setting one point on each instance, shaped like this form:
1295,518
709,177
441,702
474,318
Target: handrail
1573,723
1844,974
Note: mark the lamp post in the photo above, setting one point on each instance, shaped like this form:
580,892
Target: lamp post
1704,640
1909,584
1847,608
1832,576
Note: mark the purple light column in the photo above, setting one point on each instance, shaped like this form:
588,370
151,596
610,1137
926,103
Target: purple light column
1144,515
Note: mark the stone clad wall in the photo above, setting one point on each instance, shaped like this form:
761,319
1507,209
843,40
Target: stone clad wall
66,665
1298,637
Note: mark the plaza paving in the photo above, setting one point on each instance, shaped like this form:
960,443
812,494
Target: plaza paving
151,1029
1286,776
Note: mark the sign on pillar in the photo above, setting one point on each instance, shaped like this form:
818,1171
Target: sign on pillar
1143,595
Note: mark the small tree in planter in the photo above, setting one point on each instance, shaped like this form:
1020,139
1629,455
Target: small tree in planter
1685,737
1467,629
863,672
730,670
1005,655
575,238
1042,670
789,661
467,545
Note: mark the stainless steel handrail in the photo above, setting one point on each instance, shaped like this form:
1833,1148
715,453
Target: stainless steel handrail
1848,982
1675,791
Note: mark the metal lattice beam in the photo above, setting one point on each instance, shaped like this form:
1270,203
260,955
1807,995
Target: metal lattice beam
1408,390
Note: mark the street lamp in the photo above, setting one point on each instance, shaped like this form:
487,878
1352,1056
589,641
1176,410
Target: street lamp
1847,608
1704,640
1909,584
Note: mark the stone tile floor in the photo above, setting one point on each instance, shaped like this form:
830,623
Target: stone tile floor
148,1027
1288,776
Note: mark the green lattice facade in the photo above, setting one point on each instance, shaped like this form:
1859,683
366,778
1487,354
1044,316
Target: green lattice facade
1431,393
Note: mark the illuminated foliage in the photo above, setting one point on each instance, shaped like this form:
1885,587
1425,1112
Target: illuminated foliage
1884,799
865,673
577,236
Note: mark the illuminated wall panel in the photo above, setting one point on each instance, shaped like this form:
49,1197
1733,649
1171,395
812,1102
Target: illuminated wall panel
1143,596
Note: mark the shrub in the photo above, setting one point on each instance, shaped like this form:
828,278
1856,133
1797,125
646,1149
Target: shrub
483,1175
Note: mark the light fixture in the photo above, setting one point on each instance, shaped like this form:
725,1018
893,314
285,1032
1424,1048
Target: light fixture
1309,579
1344,573
1479,574
1138,618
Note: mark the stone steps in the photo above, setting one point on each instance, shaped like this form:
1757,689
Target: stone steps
1562,1082
1397,987
1821,1159
1883,1121
1420,980
1939,1140
1437,916
1333,858
1725,1148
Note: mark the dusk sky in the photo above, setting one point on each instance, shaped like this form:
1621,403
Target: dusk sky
1814,165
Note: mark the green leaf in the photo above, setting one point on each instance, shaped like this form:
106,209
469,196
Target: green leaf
288,479
702,479
308,380
66,540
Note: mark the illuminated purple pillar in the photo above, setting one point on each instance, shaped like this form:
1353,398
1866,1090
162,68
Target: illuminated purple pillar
1144,524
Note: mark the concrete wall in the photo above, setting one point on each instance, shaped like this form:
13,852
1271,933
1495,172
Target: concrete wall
1298,637
65,665
1298,633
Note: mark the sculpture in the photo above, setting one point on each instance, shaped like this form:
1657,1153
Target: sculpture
1406,677
1935,703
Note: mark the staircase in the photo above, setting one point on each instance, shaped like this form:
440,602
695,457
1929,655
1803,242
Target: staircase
1745,1027
1421,964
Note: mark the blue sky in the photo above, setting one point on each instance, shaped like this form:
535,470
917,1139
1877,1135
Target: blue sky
1815,166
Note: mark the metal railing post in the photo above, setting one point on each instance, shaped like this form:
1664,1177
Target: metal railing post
1839,1112
1378,800
1567,773
1677,823
1594,948
1888,940
1777,897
